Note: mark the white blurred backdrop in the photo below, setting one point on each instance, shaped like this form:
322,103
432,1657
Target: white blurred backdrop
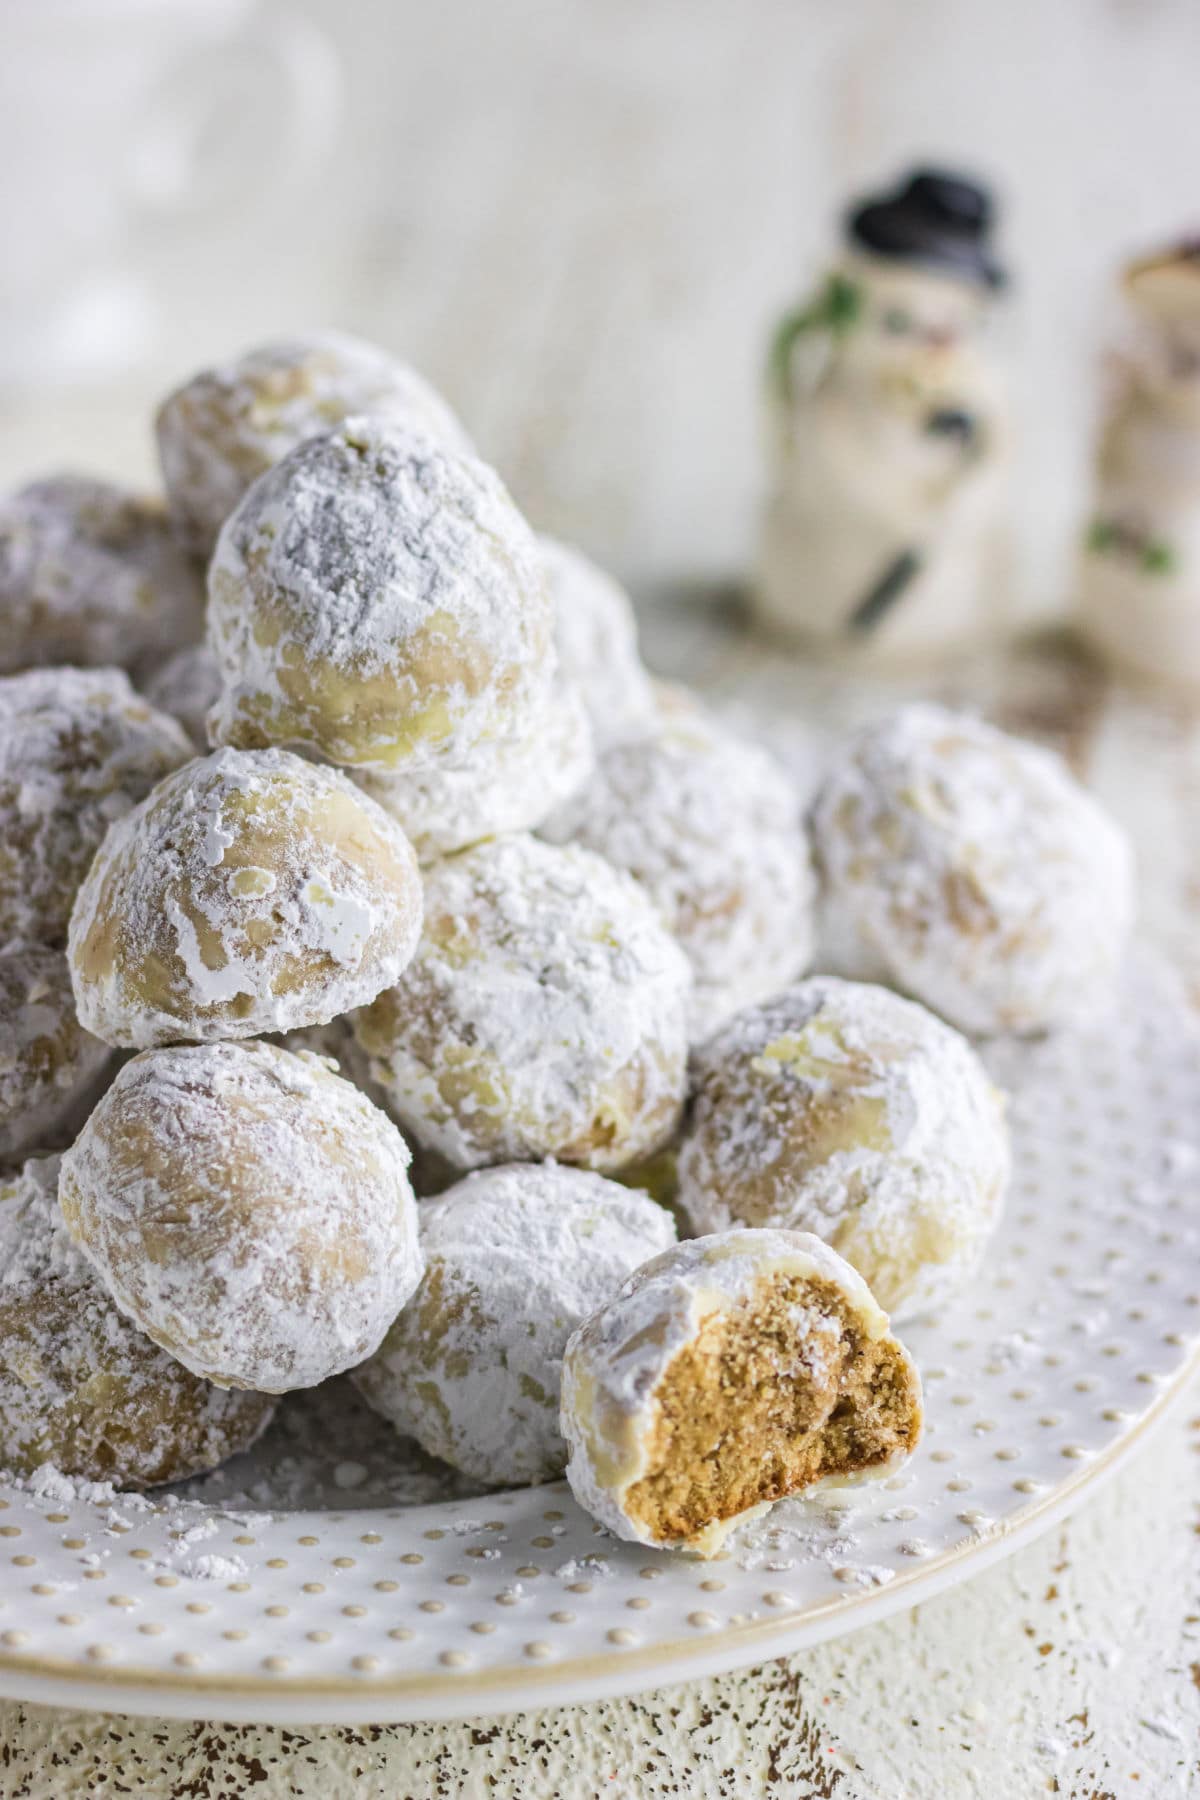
578,218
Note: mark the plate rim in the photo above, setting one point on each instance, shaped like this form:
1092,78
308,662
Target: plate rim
510,1688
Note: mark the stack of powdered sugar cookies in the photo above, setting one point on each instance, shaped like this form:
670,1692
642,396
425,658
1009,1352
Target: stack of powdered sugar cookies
395,873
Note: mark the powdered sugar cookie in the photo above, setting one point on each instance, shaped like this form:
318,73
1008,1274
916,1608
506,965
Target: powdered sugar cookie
378,600
188,686
90,574
249,892
80,1386
710,826
976,870
50,1068
227,425
544,1013
596,633
843,1110
727,1373
78,749
511,785
515,1259
248,1209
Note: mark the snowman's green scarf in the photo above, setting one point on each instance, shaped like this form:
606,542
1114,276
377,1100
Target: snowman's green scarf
835,309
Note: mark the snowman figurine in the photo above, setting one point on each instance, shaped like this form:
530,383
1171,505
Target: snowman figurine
1140,564
884,535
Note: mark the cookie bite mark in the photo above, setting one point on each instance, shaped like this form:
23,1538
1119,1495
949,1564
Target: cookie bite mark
773,1396
728,1373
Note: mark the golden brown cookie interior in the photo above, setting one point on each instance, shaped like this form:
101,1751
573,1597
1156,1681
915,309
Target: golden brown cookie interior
741,1423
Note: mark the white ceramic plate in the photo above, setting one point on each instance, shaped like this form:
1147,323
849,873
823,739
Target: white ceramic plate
324,1577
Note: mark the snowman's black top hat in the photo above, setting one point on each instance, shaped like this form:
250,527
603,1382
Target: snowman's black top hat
933,217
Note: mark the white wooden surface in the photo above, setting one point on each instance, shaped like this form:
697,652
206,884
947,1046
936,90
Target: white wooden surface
1040,1678
579,220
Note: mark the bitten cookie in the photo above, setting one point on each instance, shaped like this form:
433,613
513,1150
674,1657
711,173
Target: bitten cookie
727,1373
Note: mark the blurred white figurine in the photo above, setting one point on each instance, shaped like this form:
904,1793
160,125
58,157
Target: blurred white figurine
1140,571
884,532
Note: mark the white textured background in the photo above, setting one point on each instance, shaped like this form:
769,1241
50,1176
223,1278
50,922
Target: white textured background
580,216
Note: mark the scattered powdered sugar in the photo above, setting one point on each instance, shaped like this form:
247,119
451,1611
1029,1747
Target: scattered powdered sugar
512,784
229,424
1180,1156
989,883
842,1109
1019,1350
49,1483
250,892
824,1526
516,1258
90,574
78,748
213,1568
181,1523
583,1568
544,1013
292,1467
379,600
710,825
865,1575
596,634
203,1529
249,1209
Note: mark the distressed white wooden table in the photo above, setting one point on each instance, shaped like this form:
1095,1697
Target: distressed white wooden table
1072,1670
580,220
